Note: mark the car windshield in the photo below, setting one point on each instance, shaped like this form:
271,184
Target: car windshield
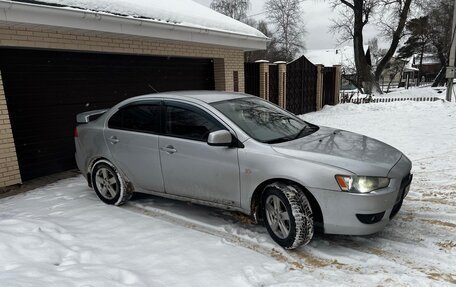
264,121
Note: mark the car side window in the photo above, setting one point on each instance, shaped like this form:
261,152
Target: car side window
140,118
190,123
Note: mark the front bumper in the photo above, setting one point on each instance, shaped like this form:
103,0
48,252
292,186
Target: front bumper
362,214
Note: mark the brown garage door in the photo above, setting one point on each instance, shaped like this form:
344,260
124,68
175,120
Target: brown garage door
46,89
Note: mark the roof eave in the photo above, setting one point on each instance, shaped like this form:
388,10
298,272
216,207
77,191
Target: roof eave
17,12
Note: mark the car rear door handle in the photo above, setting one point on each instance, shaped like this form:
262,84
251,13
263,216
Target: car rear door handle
168,149
113,140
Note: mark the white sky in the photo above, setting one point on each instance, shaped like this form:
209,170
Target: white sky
317,18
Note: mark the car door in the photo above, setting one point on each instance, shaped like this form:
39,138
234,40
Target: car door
132,135
191,168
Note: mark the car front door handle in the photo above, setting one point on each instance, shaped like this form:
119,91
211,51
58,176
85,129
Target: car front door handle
168,149
113,140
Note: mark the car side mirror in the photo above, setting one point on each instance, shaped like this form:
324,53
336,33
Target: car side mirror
220,138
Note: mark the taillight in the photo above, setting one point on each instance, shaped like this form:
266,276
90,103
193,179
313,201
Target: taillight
76,132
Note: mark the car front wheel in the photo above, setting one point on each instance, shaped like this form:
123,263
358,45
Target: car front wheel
287,215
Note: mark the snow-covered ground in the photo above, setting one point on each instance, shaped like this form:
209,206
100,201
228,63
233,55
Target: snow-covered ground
62,235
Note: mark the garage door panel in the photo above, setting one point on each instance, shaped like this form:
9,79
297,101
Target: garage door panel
46,89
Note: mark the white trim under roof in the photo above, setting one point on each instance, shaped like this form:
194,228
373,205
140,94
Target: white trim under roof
18,12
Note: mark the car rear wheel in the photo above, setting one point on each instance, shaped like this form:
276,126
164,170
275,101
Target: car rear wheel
108,184
287,215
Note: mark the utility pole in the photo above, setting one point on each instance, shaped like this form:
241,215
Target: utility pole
450,73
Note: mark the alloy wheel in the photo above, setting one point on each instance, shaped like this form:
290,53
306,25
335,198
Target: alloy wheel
106,183
277,216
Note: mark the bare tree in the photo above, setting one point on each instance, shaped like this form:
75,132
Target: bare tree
271,53
236,9
391,16
285,15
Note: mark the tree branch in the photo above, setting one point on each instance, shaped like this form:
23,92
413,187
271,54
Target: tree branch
350,5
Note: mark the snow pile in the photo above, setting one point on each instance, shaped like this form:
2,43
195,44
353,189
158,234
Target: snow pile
344,56
180,12
62,235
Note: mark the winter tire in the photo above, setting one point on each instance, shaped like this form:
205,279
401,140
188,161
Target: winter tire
287,215
108,184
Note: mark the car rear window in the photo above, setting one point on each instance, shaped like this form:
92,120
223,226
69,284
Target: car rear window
140,118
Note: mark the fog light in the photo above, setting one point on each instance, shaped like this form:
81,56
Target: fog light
370,218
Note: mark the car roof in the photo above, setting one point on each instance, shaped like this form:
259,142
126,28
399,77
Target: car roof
204,96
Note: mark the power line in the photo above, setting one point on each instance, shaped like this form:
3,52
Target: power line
257,14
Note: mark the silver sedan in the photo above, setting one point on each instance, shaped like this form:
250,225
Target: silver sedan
239,152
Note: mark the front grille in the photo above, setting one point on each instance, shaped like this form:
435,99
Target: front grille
406,180
396,209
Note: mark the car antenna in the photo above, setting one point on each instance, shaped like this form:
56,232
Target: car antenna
150,86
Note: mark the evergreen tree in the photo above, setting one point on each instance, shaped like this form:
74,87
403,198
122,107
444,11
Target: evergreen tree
418,42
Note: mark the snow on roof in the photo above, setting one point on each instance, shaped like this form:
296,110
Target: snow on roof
428,59
185,13
344,56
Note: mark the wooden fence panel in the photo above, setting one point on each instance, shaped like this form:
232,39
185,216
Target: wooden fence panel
252,78
329,88
274,84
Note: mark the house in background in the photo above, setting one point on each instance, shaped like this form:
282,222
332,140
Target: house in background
430,67
411,70
61,57
343,57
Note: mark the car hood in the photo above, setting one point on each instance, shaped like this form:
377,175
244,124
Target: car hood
359,154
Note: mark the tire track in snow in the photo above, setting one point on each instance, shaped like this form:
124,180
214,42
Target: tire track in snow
296,259
401,259
398,255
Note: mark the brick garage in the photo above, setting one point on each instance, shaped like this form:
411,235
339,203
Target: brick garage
48,31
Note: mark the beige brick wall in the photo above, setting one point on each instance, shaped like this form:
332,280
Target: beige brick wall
337,84
282,85
9,168
264,80
226,61
219,74
319,101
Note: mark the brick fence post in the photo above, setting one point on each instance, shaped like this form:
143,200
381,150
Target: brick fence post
319,90
282,67
264,79
337,84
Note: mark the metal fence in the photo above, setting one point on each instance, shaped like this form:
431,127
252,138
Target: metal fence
345,99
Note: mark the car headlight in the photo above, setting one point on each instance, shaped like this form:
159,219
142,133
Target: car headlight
361,184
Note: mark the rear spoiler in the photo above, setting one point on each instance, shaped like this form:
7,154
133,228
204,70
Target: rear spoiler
86,117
